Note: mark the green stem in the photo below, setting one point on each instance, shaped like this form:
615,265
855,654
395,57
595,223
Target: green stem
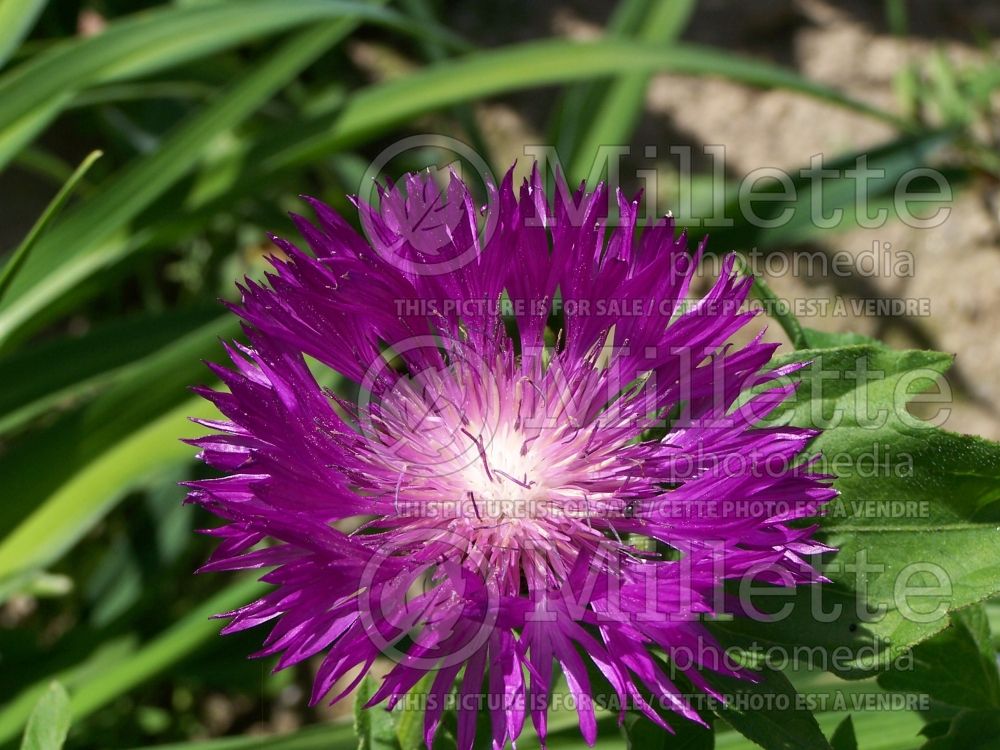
788,322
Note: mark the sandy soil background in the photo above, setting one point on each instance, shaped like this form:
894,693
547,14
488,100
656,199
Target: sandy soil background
956,266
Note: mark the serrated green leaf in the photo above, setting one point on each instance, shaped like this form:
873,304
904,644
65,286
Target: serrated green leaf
769,712
863,384
957,666
945,481
824,340
918,505
921,518
49,723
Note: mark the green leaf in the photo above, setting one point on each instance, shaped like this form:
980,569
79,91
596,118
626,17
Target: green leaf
31,95
641,733
918,505
83,242
824,340
49,723
877,730
957,666
970,730
947,481
615,117
117,667
843,738
93,234
375,726
818,626
87,364
20,253
532,64
16,19
77,505
768,712
860,385
409,717
925,519
15,712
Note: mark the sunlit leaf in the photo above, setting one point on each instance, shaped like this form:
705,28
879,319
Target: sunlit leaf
16,20
49,723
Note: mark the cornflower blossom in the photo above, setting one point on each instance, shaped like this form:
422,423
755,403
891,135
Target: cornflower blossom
549,462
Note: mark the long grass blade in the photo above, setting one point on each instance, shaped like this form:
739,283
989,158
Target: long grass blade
34,93
88,364
59,522
578,101
620,108
76,246
90,237
529,65
16,19
20,253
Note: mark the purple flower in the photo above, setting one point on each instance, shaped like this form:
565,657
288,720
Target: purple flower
551,462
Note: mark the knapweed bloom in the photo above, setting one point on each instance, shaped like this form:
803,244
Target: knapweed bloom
499,448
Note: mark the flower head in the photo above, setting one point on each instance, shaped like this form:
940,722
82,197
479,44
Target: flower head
549,465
